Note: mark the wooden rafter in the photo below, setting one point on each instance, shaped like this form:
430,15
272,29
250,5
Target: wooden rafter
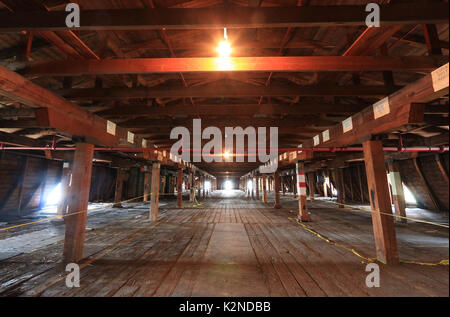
236,64
221,90
248,17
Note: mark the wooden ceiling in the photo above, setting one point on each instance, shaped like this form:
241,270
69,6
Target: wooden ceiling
302,76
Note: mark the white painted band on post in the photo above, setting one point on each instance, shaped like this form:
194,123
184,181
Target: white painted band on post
302,191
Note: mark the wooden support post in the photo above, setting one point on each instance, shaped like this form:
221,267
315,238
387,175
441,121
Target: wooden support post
312,186
253,187
325,185
78,203
432,39
154,199
398,196
180,188
350,181
340,186
361,192
294,184
276,179
65,184
43,186
163,184
22,181
198,183
172,186
119,189
383,223
258,184
264,188
202,186
146,183
301,188
191,187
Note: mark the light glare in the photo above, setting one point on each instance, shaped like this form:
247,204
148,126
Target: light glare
224,49
228,185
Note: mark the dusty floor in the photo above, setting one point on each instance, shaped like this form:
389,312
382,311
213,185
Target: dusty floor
230,246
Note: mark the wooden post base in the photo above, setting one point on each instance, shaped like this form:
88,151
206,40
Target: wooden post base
154,199
383,223
78,199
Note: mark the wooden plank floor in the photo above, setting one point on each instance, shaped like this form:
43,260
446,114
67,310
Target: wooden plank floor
230,246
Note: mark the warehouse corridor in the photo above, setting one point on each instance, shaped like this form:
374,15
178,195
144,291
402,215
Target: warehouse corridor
230,245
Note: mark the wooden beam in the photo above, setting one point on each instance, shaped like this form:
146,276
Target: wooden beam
235,64
432,39
78,203
383,223
58,113
19,140
403,107
147,130
231,110
154,199
301,189
231,122
67,42
16,112
222,90
230,17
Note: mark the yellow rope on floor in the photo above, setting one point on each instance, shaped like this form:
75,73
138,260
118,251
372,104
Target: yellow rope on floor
358,254
365,258
388,214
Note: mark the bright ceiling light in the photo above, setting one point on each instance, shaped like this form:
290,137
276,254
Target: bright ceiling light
224,49
228,185
226,154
